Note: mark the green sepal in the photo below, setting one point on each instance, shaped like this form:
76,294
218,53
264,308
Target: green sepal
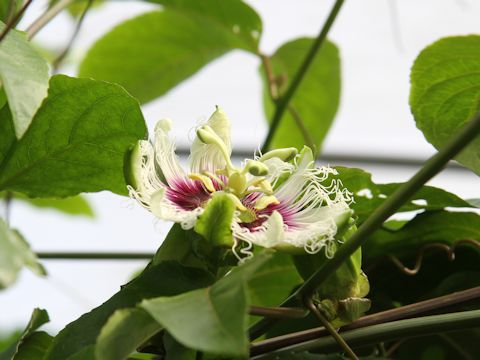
132,168
214,225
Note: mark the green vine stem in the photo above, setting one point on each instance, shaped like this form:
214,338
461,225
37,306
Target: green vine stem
47,16
58,60
282,104
389,331
436,305
431,167
274,96
278,312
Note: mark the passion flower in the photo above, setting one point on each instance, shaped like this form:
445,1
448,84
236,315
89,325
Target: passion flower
282,199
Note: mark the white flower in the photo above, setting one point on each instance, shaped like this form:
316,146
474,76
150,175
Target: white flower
279,204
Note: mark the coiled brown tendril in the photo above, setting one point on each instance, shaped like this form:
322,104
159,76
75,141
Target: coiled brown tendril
448,249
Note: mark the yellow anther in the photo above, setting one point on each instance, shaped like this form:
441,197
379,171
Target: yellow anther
266,201
265,186
206,181
238,203
214,177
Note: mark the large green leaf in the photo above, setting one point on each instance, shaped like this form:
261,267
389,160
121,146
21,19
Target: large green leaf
317,98
213,319
274,281
24,76
124,331
164,279
369,195
29,338
154,52
15,253
445,92
76,142
232,16
34,347
176,351
178,246
75,205
429,227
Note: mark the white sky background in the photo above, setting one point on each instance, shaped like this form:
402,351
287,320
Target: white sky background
378,41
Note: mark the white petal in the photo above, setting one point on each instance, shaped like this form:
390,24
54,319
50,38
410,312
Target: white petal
205,157
277,168
164,209
315,228
269,234
295,184
274,231
165,155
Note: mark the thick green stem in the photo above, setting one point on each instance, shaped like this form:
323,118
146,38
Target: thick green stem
282,104
390,331
432,167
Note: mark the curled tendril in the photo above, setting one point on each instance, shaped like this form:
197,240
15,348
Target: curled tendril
448,249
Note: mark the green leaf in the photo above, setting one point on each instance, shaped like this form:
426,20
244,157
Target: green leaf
178,246
154,52
274,281
474,202
215,222
76,142
75,205
231,16
445,92
24,76
124,331
7,339
164,279
369,196
38,318
317,98
176,351
87,353
213,319
429,227
8,8
15,253
34,347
